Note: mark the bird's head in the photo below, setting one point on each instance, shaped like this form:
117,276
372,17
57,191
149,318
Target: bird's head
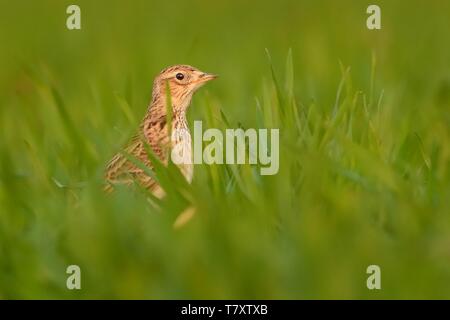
182,81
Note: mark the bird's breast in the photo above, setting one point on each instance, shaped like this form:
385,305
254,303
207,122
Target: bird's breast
181,153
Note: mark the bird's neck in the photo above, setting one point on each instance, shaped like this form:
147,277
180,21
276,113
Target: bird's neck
158,108
157,115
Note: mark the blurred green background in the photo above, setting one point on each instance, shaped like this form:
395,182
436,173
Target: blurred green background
364,153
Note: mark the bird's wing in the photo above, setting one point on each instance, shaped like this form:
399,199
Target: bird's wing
121,170
119,165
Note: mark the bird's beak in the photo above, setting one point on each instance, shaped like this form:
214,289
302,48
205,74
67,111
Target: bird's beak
204,77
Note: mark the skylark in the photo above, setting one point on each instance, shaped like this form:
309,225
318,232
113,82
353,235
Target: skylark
175,85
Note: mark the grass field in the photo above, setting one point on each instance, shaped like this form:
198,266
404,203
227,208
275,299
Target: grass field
364,119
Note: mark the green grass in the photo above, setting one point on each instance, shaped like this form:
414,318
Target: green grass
364,119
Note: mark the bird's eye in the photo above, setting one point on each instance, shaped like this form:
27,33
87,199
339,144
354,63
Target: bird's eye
180,76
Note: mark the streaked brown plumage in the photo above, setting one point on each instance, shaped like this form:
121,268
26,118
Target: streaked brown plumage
183,81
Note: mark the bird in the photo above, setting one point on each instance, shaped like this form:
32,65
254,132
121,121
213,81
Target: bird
176,85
